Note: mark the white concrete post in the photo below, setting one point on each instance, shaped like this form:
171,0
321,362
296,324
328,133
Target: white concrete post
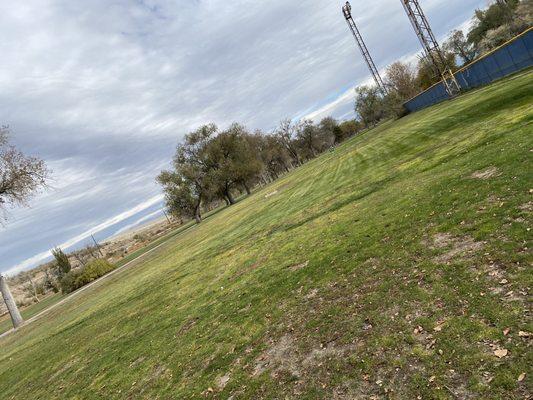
16,318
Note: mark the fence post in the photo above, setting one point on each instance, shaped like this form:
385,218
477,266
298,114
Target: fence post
16,318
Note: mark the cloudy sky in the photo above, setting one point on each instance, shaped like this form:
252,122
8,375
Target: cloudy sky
104,89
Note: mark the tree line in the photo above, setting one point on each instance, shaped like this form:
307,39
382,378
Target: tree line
213,166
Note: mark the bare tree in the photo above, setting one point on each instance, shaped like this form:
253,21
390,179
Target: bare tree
21,176
31,289
286,135
402,84
401,79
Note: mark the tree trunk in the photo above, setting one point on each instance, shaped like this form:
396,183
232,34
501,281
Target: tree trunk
197,214
16,318
248,191
230,197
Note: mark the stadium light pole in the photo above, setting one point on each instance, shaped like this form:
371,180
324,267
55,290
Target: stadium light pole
431,46
347,11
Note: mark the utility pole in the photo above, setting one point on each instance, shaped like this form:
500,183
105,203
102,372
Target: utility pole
431,46
166,216
97,246
347,11
14,312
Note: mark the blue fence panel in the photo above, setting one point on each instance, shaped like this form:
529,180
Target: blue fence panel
510,58
505,61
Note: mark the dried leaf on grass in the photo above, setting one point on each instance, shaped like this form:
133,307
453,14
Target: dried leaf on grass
500,353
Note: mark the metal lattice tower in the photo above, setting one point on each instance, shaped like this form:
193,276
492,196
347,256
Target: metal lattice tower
431,46
347,11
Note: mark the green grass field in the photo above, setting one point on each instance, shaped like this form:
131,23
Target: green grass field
36,308
391,268
30,311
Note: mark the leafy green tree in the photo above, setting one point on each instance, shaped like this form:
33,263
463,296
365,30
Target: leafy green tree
308,139
350,128
369,105
250,166
232,162
458,44
210,165
427,75
499,23
329,133
62,261
494,17
339,135
188,185
180,197
274,155
491,27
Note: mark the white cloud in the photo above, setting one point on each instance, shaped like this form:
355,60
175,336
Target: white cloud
84,235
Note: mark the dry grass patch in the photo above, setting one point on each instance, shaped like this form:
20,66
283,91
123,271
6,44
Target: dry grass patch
280,356
457,248
296,267
488,173
527,207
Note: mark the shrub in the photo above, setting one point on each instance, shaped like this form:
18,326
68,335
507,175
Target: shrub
51,280
40,289
63,263
68,281
75,279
